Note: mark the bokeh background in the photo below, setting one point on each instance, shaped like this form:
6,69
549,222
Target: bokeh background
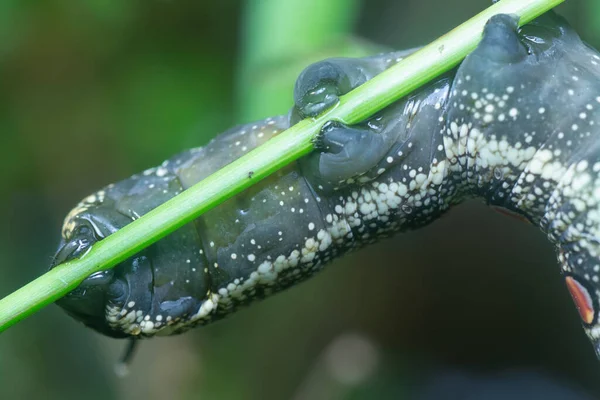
93,91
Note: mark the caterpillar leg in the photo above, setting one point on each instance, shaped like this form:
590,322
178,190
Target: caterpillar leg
321,84
501,42
346,153
519,58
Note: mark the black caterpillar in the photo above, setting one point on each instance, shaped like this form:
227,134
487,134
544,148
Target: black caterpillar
516,124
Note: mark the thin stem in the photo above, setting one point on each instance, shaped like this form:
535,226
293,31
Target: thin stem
434,59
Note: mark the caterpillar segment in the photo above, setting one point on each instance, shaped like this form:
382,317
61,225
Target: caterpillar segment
516,125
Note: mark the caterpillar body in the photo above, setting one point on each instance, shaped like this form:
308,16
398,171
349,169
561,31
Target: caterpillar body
516,124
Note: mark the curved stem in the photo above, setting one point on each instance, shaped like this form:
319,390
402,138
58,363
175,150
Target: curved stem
434,59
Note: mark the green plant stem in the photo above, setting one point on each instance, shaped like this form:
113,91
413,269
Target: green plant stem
434,59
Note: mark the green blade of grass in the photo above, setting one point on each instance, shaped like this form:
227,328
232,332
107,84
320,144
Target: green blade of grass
434,59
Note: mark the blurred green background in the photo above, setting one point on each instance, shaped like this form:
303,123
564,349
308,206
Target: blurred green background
94,91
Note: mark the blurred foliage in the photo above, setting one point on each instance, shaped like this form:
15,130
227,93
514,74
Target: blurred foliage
592,21
94,91
271,61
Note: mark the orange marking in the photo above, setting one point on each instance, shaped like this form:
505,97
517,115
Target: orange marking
510,213
582,299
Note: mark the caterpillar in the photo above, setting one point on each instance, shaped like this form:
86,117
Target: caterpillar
515,124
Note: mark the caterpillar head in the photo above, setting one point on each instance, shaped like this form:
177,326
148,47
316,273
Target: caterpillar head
151,292
85,225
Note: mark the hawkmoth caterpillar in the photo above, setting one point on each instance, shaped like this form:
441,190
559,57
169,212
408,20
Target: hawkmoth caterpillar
515,124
